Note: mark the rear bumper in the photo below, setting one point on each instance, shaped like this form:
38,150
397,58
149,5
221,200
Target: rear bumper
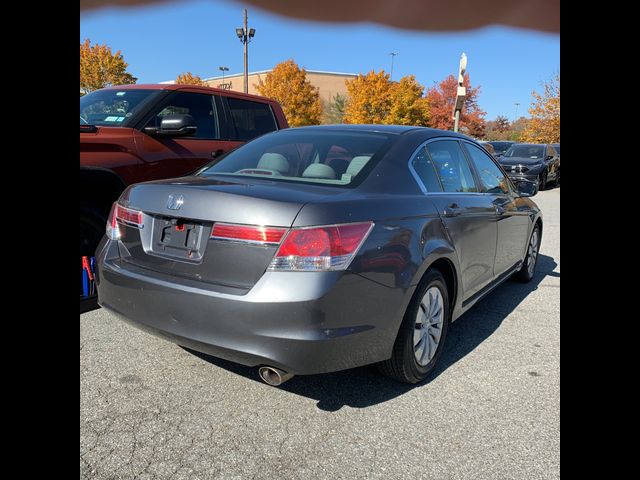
301,322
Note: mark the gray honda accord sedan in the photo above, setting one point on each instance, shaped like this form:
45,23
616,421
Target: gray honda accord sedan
318,249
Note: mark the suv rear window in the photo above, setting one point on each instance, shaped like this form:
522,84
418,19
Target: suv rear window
251,119
333,158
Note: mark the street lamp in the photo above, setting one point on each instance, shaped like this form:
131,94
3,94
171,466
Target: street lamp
393,55
245,35
461,94
223,69
517,105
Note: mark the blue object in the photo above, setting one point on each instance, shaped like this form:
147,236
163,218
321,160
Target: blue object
85,283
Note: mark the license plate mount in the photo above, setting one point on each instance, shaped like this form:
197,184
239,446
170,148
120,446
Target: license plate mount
178,238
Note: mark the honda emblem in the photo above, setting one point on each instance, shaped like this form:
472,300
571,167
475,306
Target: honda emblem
175,202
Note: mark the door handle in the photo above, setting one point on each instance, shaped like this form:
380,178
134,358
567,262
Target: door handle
217,153
452,210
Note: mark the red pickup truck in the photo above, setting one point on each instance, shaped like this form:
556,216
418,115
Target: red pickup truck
136,133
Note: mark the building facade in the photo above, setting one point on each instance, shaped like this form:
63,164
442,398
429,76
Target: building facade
328,83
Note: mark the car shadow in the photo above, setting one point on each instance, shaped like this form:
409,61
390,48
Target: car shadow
365,386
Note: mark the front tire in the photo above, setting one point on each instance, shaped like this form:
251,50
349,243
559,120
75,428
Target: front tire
542,181
422,334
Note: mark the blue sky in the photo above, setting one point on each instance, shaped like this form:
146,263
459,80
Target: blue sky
160,42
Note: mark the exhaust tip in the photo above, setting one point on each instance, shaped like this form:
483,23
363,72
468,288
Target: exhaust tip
274,376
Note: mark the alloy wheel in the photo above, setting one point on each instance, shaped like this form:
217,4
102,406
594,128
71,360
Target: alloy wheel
428,326
532,258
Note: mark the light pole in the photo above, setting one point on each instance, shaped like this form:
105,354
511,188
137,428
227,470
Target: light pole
223,69
461,93
516,117
245,35
393,55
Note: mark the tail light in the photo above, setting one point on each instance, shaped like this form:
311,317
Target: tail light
330,247
120,214
248,233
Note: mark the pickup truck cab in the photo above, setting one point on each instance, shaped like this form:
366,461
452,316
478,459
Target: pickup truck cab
136,133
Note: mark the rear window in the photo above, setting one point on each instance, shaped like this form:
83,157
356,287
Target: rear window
332,158
251,119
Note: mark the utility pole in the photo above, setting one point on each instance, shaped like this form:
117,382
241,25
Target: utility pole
461,93
245,35
393,55
223,69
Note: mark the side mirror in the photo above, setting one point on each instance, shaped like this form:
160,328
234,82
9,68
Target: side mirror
549,157
174,125
526,188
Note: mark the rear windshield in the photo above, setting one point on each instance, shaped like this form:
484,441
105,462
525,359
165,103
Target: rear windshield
525,151
112,107
326,157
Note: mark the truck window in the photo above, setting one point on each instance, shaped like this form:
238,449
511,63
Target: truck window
199,105
251,119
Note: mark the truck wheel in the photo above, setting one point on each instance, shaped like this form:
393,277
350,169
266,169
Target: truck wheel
92,228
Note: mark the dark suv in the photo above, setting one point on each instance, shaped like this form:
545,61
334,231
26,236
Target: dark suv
534,162
135,133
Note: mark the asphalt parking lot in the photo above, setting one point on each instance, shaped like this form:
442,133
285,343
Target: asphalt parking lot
152,410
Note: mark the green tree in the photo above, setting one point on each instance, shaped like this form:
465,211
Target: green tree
287,83
100,68
335,110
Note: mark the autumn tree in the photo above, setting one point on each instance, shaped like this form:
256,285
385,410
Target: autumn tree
369,98
408,106
442,99
100,68
544,126
287,83
335,109
497,129
189,78
517,129
374,98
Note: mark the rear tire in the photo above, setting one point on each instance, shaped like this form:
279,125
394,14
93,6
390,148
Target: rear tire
422,333
528,270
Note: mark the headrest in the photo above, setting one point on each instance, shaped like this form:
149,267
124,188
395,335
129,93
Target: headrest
274,161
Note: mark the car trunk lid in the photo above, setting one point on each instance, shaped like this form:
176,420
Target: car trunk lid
179,216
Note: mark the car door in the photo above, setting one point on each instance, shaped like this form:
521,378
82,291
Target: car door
468,216
166,157
512,216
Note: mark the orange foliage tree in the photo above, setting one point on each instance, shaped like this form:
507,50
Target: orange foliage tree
442,99
374,98
100,68
544,126
287,83
189,78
